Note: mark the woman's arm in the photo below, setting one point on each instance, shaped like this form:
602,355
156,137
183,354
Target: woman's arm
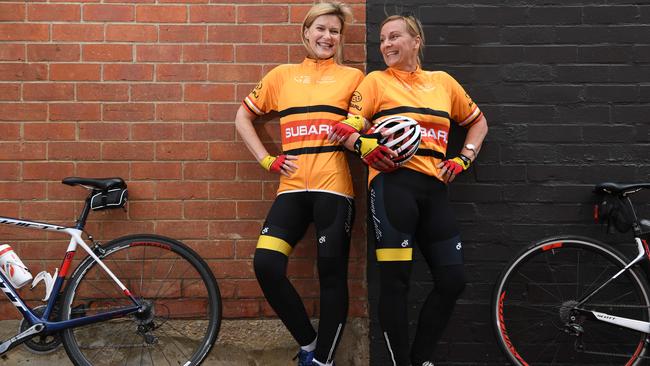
244,124
282,164
475,136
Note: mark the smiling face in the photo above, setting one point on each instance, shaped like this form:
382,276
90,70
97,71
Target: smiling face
398,46
324,36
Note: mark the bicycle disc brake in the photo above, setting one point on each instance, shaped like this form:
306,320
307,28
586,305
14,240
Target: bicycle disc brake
42,343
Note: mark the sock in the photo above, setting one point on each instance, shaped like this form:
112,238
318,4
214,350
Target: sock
310,347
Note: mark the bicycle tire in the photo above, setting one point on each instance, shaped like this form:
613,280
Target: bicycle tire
534,295
184,305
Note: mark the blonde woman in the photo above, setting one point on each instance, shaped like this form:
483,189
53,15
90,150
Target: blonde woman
315,183
410,203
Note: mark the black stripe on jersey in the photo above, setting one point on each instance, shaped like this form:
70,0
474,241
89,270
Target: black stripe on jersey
429,152
314,108
249,109
469,124
314,150
405,109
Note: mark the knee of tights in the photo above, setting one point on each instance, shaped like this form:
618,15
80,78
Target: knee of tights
451,282
394,285
269,265
333,271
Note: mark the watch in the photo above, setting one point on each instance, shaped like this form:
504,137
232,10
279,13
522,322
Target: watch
471,148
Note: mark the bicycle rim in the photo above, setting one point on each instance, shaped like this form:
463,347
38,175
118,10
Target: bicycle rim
535,295
182,313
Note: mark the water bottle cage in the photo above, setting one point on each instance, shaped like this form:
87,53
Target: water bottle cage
49,282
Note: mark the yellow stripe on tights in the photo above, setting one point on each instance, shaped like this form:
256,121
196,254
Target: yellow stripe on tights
272,243
394,254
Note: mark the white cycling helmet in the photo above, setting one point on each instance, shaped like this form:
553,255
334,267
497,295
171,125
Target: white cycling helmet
403,136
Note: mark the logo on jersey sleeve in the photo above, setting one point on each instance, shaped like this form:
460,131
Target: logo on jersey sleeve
256,90
470,102
355,102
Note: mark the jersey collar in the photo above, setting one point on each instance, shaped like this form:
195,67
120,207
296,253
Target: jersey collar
317,62
405,75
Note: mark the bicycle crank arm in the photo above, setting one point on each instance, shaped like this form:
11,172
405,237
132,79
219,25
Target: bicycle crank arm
21,337
633,324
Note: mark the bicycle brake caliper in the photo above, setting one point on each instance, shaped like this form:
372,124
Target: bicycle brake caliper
99,250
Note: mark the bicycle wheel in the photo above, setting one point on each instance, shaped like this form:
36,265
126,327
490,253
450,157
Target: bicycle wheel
534,300
182,312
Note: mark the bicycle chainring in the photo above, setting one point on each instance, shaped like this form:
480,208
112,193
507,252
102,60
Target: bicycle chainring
41,343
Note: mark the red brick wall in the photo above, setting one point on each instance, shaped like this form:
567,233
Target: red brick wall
148,91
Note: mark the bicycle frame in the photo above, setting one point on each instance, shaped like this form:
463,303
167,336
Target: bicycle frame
42,323
638,325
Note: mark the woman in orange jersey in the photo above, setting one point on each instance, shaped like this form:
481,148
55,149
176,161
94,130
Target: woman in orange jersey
409,204
315,183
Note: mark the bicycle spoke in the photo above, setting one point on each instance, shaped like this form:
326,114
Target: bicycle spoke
597,281
170,325
578,275
538,309
546,258
120,331
531,282
182,275
174,342
162,351
150,356
618,298
144,256
546,346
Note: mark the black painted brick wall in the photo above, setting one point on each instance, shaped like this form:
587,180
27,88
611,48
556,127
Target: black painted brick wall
565,87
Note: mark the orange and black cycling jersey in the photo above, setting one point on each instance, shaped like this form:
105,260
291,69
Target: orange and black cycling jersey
433,98
310,98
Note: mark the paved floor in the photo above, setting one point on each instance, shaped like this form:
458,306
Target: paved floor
240,343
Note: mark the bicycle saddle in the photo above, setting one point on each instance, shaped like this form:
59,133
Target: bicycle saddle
98,183
619,188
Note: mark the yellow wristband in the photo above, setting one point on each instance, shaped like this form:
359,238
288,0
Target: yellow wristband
355,122
267,162
462,161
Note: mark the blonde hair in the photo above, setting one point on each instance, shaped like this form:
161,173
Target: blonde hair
338,9
413,27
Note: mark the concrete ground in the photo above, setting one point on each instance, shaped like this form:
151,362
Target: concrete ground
240,343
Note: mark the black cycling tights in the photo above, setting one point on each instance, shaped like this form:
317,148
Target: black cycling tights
271,269
449,282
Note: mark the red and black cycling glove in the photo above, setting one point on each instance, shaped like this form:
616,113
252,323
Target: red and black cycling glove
273,163
373,153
